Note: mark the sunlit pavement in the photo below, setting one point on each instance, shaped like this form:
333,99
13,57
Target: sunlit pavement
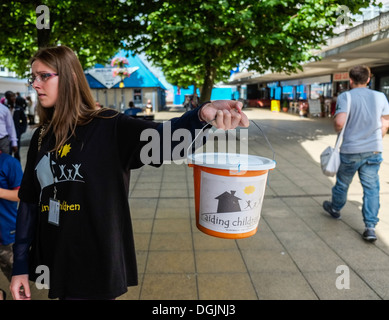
298,252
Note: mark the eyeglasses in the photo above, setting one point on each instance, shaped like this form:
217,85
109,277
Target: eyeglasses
43,77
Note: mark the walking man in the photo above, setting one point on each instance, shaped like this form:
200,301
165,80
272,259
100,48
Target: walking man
361,149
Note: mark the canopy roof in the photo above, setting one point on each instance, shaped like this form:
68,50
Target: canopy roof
100,77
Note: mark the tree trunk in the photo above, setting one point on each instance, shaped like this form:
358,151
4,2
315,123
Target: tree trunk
44,22
209,80
43,38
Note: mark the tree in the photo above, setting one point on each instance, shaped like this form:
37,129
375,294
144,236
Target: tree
93,29
193,41
192,38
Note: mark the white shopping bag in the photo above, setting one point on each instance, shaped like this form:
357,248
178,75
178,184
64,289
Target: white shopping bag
330,157
330,161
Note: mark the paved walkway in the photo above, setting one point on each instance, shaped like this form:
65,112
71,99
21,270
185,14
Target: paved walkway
297,250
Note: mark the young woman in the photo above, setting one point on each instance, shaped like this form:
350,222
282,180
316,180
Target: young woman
74,211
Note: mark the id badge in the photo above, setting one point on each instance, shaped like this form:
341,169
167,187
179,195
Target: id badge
54,212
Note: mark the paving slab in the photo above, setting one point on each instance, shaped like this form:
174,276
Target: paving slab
297,249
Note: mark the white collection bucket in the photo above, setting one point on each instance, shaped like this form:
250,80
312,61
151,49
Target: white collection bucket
229,190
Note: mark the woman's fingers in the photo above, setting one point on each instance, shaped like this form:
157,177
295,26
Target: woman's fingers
225,114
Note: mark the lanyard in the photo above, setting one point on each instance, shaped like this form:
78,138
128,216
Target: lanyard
53,172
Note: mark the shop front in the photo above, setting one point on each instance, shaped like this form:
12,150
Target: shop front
380,80
307,96
341,82
258,94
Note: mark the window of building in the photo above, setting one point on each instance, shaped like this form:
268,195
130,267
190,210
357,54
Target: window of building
384,86
137,96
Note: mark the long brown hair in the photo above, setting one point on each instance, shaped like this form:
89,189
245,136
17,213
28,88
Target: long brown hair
75,104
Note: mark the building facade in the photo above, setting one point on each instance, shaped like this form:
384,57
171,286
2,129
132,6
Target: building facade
313,90
140,87
10,82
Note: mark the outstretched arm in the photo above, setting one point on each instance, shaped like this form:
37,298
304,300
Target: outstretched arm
170,140
222,114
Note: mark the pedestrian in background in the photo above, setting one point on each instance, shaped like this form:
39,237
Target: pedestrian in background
149,107
333,105
19,119
132,110
30,111
74,206
361,149
20,101
194,101
8,139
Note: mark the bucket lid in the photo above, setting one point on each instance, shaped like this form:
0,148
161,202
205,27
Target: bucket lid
231,161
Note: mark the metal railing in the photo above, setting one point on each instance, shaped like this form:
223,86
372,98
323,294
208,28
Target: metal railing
366,28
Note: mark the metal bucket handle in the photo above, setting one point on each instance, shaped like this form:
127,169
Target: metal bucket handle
257,125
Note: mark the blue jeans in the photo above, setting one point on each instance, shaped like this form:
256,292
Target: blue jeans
367,164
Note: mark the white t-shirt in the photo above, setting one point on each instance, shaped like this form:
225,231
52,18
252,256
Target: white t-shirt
363,129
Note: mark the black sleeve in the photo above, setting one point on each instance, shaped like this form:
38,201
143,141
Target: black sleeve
129,136
25,226
175,146
143,142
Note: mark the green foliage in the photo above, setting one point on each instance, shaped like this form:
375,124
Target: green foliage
188,39
193,41
93,29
